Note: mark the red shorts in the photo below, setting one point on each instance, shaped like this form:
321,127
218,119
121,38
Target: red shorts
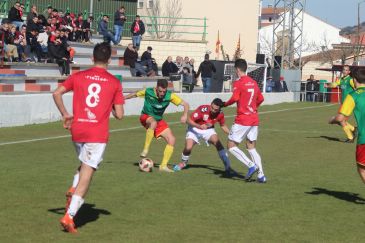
161,125
360,154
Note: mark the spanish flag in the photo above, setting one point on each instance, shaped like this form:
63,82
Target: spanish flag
217,46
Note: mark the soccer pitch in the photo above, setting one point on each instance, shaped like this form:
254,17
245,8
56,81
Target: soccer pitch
313,192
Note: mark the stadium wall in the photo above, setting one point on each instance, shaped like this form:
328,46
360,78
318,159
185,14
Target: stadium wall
18,110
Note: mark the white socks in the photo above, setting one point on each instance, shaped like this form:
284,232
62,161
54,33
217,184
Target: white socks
241,156
257,160
185,158
75,205
76,180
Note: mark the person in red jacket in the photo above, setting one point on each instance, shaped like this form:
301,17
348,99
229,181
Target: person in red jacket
248,97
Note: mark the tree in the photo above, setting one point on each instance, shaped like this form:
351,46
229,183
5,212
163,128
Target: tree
163,21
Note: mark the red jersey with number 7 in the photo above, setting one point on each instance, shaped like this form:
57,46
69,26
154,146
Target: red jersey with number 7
95,91
248,97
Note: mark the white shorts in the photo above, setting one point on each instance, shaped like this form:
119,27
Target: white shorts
238,133
196,134
90,153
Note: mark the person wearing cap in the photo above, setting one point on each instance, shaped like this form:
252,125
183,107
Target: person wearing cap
269,85
137,30
280,86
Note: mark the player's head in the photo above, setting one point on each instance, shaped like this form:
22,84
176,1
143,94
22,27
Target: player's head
359,75
216,105
346,70
102,53
241,66
161,88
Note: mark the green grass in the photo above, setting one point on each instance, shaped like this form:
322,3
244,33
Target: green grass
196,205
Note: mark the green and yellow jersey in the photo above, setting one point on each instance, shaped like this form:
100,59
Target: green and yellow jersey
355,102
347,85
155,107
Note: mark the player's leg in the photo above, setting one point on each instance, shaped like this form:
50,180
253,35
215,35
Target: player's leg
221,151
150,123
255,156
341,119
169,137
361,170
185,156
360,160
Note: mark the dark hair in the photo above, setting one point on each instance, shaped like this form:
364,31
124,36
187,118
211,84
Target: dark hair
102,52
206,57
359,75
218,102
241,64
105,16
162,83
137,16
55,10
122,7
149,48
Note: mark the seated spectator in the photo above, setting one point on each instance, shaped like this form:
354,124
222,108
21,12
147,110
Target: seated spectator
312,88
103,30
187,79
168,67
33,48
59,53
146,59
15,15
179,63
33,12
186,63
86,34
21,43
78,29
270,85
280,86
33,25
11,49
130,58
43,42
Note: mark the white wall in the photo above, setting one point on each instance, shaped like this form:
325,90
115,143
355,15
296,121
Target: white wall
18,110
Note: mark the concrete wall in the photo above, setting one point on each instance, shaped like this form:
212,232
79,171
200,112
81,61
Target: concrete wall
18,110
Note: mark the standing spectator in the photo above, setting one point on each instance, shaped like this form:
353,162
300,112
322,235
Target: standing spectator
137,30
168,67
206,69
103,30
33,12
119,19
312,88
130,58
86,30
193,73
15,15
280,86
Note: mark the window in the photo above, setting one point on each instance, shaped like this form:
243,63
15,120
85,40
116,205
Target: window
150,3
140,3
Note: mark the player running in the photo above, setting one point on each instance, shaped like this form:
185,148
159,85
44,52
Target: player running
201,126
355,102
347,85
156,100
95,93
248,97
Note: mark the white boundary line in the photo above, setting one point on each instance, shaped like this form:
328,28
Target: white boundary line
134,128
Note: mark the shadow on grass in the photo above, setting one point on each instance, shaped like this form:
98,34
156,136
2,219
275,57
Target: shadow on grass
87,213
345,196
329,138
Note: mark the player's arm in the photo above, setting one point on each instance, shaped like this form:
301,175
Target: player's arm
225,129
346,109
57,97
193,123
260,99
333,84
352,84
140,93
235,97
118,102
176,100
118,111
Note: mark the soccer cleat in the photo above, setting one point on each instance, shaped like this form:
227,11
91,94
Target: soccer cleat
165,169
68,224
252,170
179,166
349,140
143,154
69,194
261,179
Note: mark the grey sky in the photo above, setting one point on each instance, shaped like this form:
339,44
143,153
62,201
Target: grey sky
340,13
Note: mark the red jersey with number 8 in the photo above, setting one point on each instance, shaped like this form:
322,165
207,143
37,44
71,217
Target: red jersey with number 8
95,91
248,97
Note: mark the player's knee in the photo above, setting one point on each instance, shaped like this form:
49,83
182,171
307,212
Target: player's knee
171,140
250,144
218,145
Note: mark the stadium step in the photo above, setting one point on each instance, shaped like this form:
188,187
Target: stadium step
33,87
7,71
88,48
85,58
6,88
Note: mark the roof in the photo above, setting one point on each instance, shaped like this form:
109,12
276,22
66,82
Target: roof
270,10
337,68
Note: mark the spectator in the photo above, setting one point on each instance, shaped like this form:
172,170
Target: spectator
312,88
49,11
43,42
22,43
186,63
270,84
119,19
33,25
33,12
193,73
15,15
130,58
59,53
168,67
79,32
10,37
137,30
179,63
33,48
280,86
103,30
206,69
86,30
187,79
146,59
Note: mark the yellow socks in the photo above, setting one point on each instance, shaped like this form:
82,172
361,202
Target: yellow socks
147,143
351,127
167,155
348,132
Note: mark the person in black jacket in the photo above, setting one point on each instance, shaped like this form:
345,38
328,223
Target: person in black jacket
130,59
15,15
206,69
137,30
280,86
86,26
168,67
119,19
57,50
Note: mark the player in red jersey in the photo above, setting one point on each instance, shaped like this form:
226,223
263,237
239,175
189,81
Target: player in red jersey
96,93
201,126
248,97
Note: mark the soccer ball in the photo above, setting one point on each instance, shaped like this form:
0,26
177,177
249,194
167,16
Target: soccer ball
146,165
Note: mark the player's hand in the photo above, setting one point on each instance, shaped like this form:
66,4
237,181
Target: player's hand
67,121
203,127
183,119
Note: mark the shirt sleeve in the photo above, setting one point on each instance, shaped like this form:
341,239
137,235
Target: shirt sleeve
141,93
260,98
69,83
336,83
196,115
352,83
221,119
348,106
118,96
235,96
176,100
